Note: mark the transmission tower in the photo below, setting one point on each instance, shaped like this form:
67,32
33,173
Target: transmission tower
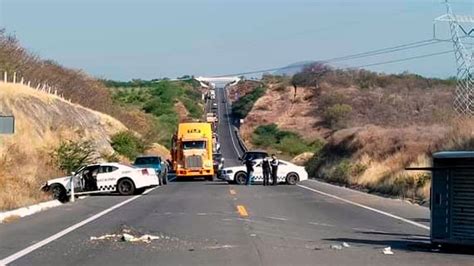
462,30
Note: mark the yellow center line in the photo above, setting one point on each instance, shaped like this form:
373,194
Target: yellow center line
232,192
242,211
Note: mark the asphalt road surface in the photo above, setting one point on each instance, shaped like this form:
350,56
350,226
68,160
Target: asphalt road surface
213,223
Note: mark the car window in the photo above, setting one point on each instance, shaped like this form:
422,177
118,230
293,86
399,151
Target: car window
107,169
147,160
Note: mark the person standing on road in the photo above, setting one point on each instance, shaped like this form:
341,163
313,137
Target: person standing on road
274,163
266,171
249,165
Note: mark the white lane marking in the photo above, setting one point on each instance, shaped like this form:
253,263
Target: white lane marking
66,231
367,207
321,224
277,218
230,129
359,192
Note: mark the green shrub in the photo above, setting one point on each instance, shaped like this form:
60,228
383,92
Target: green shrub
244,104
70,155
293,145
127,144
336,116
158,98
270,136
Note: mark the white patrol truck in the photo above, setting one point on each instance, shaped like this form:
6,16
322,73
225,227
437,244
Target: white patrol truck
103,178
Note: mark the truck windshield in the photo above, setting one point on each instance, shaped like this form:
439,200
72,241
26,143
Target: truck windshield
189,145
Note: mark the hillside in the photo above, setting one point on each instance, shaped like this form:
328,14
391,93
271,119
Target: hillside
42,121
363,127
73,84
166,102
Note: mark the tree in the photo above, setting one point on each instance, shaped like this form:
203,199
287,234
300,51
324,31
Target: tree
310,76
70,155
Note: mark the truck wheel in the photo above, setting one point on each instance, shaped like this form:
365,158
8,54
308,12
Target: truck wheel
292,179
58,192
240,178
126,187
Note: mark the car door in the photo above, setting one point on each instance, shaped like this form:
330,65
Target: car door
107,178
283,170
258,171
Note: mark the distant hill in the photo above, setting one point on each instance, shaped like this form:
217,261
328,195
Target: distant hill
292,69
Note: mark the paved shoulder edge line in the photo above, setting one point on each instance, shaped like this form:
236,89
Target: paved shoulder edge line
66,231
366,207
364,193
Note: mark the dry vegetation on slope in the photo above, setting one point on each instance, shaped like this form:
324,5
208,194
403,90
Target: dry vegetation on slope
374,124
72,84
42,121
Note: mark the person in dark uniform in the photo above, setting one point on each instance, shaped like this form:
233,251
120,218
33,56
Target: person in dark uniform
249,165
274,164
266,171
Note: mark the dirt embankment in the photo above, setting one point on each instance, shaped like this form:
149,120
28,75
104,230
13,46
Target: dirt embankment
41,122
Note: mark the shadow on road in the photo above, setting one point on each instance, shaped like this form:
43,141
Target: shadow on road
412,244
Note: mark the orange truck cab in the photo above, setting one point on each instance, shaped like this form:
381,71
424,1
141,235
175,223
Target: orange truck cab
191,151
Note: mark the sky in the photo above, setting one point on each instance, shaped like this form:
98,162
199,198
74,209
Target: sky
127,39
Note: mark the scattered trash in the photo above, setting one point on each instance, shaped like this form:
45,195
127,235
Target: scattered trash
144,238
387,251
253,235
128,238
344,244
336,247
103,237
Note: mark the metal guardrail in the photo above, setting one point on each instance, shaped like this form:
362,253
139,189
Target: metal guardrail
240,140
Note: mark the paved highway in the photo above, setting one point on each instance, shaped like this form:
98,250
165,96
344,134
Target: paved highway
213,223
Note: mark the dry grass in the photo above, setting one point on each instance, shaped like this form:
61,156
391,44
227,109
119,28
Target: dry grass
396,121
41,122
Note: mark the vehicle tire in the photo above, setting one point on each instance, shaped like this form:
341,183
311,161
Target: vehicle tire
210,178
240,178
125,186
165,177
292,178
59,193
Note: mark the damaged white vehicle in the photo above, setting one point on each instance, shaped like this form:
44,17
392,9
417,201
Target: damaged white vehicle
287,173
103,178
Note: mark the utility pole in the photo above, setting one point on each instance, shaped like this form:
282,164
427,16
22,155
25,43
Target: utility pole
462,32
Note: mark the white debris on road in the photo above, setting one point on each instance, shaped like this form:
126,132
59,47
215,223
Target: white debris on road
344,244
336,247
103,237
387,251
126,236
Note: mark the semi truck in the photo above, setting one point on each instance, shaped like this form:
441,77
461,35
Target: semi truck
191,151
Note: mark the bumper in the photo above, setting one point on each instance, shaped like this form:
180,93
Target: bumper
45,187
196,172
226,177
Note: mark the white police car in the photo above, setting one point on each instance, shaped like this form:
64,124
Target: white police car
103,178
287,173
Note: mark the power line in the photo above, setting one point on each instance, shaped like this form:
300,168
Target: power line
381,51
405,59
385,50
